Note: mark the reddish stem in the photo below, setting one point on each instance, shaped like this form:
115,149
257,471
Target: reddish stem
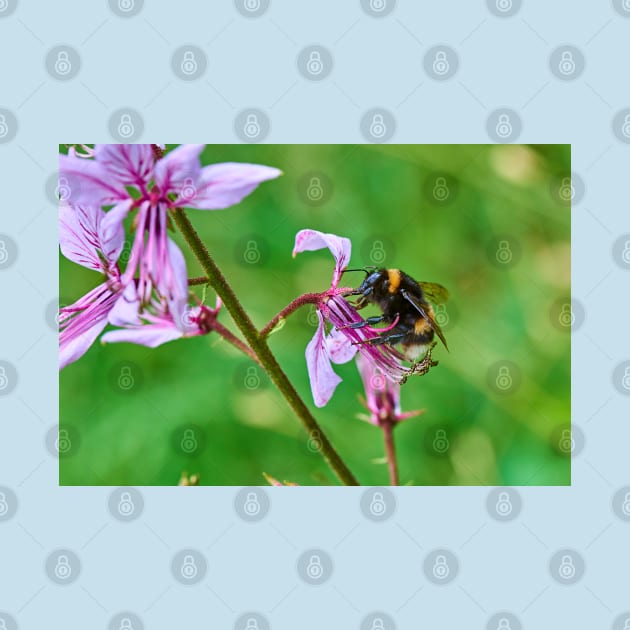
390,450
307,298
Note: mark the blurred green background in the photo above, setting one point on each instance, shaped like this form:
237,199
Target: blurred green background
491,223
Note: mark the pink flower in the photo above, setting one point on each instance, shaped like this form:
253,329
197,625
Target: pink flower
86,240
382,396
128,177
153,289
343,342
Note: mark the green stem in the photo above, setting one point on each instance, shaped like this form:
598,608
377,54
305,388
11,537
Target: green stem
259,345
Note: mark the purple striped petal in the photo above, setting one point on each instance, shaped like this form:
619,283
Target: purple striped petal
83,233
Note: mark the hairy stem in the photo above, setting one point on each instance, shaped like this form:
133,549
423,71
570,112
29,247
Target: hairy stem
307,298
259,346
390,451
195,282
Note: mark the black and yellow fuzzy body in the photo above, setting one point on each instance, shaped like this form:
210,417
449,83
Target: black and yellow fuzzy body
407,302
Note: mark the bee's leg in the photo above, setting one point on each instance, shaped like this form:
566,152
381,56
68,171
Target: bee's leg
367,322
390,339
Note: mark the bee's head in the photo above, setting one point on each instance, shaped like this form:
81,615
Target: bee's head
374,278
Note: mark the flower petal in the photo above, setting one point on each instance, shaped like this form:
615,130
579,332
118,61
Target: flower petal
340,348
150,335
179,170
83,233
223,185
84,181
339,246
323,379
77,347
126,164
177,285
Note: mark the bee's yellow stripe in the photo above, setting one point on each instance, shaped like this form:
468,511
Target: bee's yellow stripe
393,276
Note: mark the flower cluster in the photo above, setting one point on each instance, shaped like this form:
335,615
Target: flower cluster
149,300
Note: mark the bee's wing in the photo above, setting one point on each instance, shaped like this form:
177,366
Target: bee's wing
435,293
421,308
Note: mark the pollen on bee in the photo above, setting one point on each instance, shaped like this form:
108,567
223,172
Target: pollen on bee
393,275
421,326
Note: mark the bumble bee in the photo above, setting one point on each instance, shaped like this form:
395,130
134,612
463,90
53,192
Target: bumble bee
405,305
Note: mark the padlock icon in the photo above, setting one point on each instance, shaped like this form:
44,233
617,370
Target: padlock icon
566,443
626,7
252,379
378,129
441,65
4,379
625,128
251,624
377,253
125,505
377,380
4,256
189,64
251,253
567,191
378,624
188,190
4,128
312,318
314,65
504,253
504,378
4,506
189,441
125,126
252,5
62,63
504,126
625,381
441,570
566,317
62,569
378,5
567,63
315,191
314,569
189,568
3,623
252,126
252,504
566,570
441,315
504,505
625,506
63,443
314,441
626,625
440,189
377,504
504,624
126,5
125,624
440,441
625,255
125,379
504,5
62,190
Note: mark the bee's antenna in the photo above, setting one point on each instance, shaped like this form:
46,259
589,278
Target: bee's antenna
363,269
